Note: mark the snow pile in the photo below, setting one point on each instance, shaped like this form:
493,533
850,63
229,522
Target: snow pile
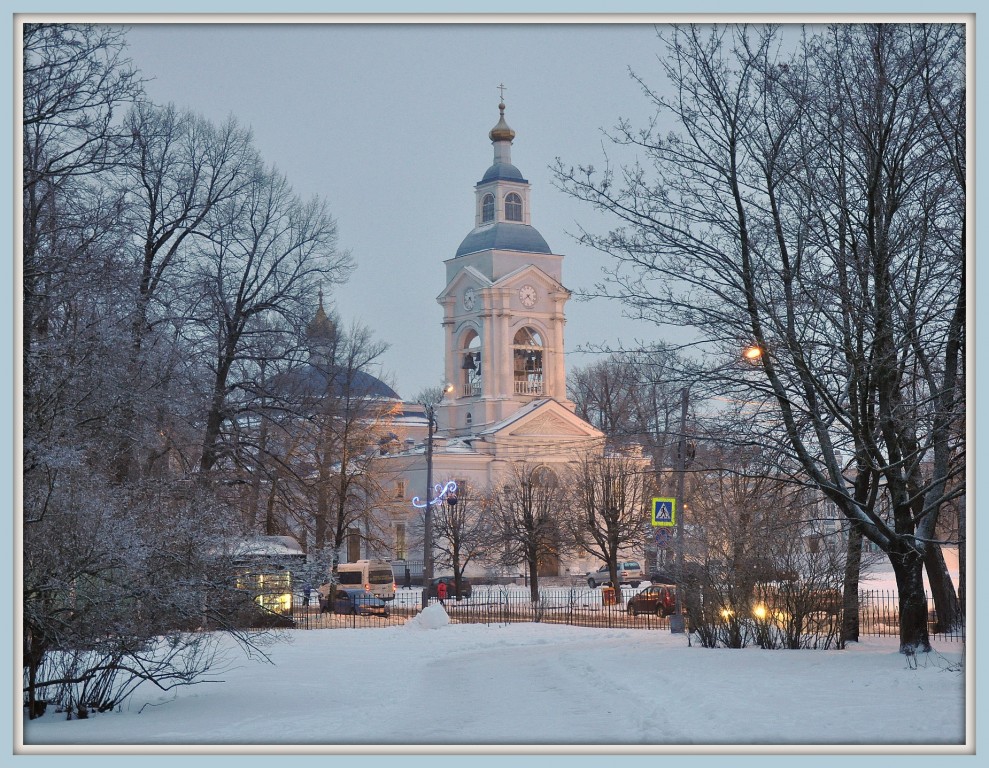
433,617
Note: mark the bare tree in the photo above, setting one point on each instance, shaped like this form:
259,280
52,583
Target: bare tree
75,78
180,167
266,253
640,391
463,531
765,552
805,203
607,514
529,513
604,393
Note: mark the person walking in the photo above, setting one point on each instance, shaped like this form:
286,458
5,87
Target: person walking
441,592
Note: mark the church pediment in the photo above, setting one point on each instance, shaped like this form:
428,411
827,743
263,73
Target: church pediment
548,425
545,419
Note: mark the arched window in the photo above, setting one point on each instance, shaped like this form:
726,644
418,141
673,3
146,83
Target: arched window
527,356
471,364
513,207
468,420
544,477
487,209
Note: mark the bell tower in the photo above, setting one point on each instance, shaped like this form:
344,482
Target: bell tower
503,315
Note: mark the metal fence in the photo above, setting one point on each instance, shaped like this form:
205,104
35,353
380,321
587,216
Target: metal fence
574,606
879,614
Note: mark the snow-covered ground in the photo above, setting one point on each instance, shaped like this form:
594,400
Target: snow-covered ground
433,683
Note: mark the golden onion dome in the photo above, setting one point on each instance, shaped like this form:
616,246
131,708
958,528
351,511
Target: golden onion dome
502,132
321,328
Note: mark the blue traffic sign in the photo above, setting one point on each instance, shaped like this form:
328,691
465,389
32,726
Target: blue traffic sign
664,512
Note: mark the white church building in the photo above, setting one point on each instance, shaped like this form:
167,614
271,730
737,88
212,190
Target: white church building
503,330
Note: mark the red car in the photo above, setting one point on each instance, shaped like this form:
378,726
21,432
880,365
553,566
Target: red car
658,598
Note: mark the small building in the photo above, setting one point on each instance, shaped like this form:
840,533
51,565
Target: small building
264,567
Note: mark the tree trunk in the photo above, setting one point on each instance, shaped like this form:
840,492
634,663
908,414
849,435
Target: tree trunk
908,567
942,589
533,578
321,526
850,586
961,561
269,512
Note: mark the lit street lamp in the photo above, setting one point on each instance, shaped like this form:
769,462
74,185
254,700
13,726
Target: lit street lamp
753,354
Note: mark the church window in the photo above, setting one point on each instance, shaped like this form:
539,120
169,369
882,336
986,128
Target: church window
470,365
527,356
513,207
543,477
487,209
469,420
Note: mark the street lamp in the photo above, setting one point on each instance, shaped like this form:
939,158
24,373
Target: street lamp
427,544
676,620
753,354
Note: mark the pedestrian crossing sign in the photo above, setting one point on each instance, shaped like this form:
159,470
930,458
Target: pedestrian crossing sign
664,512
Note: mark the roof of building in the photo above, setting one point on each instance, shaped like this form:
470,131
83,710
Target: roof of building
267,546
504,236
317,381
502,172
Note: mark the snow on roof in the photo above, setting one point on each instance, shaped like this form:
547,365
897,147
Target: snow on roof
267,546
458,445
522,412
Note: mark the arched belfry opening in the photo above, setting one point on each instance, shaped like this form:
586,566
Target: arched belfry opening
527,357
470,367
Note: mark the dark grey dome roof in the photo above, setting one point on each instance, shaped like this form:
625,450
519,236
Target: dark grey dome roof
502,171
315,382
504,236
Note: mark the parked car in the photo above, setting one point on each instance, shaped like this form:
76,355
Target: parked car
658,598
664,576
359,602
465,586
629,572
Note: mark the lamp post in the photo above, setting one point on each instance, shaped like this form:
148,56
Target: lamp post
676,620
429,403
753,353
427,543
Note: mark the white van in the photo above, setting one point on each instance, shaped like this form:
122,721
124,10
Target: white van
375,576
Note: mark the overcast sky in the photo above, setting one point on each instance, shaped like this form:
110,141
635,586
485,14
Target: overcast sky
389,124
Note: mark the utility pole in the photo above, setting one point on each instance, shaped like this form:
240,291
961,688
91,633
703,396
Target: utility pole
676,620
427,547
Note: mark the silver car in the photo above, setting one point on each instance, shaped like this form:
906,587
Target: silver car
629,572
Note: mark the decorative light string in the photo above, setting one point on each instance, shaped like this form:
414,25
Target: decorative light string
442,491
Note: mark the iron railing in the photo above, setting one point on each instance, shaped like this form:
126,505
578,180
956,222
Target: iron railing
578,606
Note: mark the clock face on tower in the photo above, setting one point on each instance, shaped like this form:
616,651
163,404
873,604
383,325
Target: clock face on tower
469,298
527,295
